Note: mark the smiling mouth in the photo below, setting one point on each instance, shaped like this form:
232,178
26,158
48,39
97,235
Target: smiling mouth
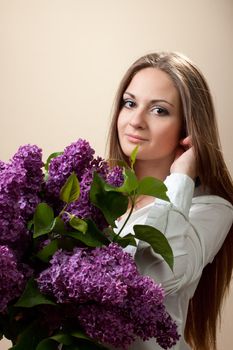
135,138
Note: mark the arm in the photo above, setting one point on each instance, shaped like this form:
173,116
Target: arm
195,235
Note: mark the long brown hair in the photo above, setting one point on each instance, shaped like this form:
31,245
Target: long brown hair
199,121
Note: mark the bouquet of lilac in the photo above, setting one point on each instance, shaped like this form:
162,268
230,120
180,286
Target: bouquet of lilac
65,279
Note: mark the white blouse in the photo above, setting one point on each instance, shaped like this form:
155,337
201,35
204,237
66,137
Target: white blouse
196,228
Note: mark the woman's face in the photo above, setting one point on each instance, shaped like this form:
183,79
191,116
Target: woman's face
150,116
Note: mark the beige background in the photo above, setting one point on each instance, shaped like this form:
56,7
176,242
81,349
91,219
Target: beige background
61,61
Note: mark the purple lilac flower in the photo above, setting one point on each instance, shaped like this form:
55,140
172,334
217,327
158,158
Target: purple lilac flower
83,208
29,158
2,165
100,166
99,274
75,157
107,279
12,179
106,324
20,183
167,335
12,224
12,281
151,320
115,176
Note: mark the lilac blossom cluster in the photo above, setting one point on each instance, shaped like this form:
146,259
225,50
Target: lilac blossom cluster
29,158
2,165
20,182
79,158
14,279
76,157
115,303
115,176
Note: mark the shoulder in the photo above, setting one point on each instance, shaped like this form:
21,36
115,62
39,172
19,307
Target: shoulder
211,201
185,196
211,218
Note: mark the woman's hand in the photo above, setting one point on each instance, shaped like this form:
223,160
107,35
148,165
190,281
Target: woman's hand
185,162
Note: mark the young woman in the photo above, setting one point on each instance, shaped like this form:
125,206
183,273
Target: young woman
164,105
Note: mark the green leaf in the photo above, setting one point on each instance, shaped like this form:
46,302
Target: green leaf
62,338
130,182
84,345
76,340
70,191
30,337
53,155
47,344
32,296
93,237
133,157
51,342
152,187
58,225
47,252
30,224
10,322
78,224
43,219
87,239
111,203
122,163
157,240
80,335
128,239
93,230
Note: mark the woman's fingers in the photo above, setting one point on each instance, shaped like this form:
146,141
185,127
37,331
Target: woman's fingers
179,151
186,142
184,161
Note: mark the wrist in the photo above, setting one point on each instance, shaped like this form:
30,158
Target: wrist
189,171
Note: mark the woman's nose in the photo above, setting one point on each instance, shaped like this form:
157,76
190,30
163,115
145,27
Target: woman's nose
137,119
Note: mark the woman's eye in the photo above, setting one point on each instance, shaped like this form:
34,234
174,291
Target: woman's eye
160,111
128,103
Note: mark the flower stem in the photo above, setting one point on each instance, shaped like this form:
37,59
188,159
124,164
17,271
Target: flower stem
63,210
130,212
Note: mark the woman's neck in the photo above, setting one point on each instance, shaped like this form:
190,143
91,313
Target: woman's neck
159,169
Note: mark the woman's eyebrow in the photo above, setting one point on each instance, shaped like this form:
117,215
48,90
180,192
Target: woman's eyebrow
152,101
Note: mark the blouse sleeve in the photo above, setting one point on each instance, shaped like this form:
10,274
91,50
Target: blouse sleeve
195,230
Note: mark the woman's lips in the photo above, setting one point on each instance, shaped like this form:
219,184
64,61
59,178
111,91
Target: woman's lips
135,138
